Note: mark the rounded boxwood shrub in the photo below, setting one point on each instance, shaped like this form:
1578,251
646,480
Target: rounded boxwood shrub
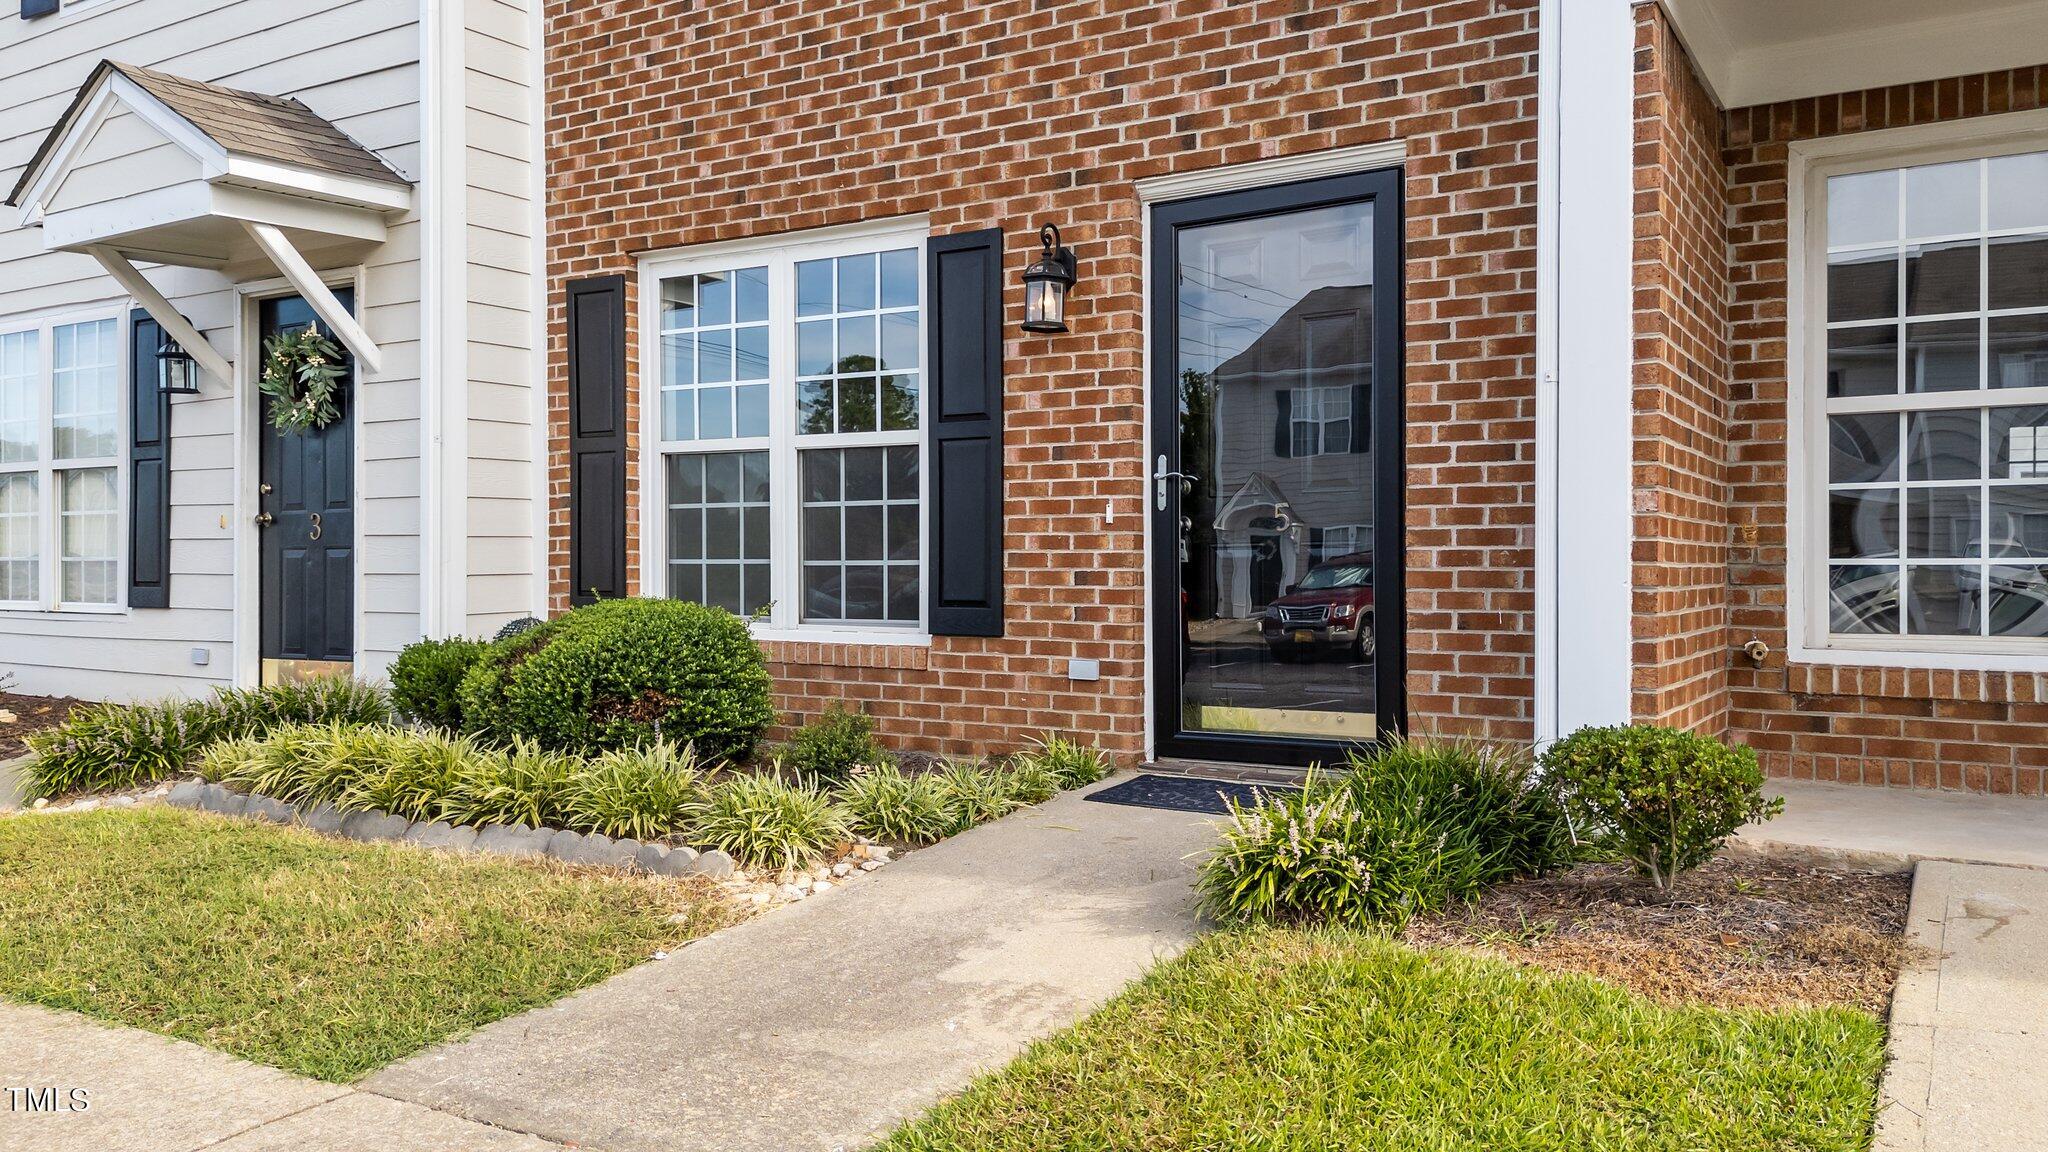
1662,799
426,679
623,673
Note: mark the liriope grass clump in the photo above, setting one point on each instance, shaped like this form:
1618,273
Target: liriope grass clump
766,821
643,793
775,819
525,784
1410,828
110,746
885,803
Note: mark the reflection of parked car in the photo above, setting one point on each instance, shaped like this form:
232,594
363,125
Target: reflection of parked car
1330,609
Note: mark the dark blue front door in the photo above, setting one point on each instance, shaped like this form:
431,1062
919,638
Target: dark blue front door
308,517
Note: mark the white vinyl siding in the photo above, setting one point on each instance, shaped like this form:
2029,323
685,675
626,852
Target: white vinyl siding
355,62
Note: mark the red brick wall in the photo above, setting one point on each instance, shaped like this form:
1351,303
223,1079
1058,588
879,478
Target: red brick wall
1679,673
672,124
1978,731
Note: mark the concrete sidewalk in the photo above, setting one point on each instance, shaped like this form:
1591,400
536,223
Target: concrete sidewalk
1887,829
1969,1026
825,1024
153,1094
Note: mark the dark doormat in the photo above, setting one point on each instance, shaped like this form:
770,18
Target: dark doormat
1185,793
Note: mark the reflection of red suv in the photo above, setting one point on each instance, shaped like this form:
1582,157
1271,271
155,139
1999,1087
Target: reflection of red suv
1330,609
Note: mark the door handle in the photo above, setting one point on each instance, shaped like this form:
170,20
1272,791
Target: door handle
265,519
1161,476
317,530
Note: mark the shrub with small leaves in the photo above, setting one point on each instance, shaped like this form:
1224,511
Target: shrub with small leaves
885,803
621,673
764,821
831,747
1662,799
426,679
643,793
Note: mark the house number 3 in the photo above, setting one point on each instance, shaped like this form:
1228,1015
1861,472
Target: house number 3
316,527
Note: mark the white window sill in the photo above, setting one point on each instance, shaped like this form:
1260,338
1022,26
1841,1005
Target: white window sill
1989,658
821,634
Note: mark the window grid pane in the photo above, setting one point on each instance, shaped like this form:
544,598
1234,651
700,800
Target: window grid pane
87,536
1937,519
20,399
858,344
714,355
719,529
19,532
861,532
84,390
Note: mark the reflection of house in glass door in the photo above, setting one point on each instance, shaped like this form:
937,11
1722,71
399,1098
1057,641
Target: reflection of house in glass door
1294,443
1283,315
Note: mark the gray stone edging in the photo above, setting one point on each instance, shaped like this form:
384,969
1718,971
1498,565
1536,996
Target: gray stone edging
514,840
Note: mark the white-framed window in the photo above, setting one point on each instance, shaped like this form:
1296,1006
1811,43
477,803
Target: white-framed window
1925,403
785,388
1320,420
60,464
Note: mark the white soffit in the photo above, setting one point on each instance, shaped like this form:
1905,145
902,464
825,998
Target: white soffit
1763,51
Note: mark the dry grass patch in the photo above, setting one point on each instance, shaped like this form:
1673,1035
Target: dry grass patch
1737,933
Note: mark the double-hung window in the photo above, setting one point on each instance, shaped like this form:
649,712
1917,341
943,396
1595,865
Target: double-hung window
1928,382
60,446
1321,420
785,383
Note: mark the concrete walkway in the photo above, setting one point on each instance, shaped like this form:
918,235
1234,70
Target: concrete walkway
11,783
149,1093
823,1025
1969,1027
1887,829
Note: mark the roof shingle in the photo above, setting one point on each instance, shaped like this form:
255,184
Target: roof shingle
261,126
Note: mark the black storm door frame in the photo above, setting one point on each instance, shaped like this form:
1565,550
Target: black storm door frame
1383,188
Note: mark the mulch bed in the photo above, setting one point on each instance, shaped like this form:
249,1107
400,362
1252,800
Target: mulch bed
1738,933
31,714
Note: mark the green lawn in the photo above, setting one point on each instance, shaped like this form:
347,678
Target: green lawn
316,955
1259,1042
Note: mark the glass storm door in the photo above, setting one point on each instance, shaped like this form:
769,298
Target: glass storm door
1276,470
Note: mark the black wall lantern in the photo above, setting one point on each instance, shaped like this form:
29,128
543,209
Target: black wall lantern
1046,282
176,374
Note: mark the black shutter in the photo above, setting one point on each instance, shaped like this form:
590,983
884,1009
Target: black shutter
1283,423
597,439
1361,417
149,470
964,440
30,9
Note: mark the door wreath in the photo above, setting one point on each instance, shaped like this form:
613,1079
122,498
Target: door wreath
302,373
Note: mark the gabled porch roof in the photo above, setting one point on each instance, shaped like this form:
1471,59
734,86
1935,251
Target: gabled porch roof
147,166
